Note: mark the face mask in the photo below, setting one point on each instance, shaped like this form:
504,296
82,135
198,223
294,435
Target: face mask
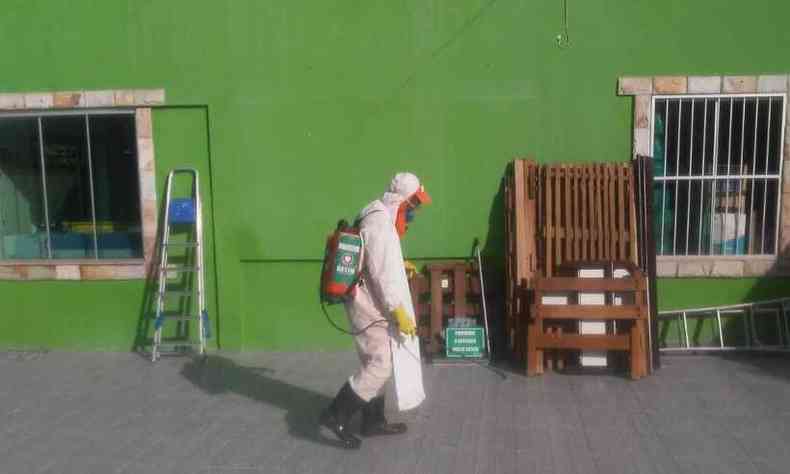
402,219
407,209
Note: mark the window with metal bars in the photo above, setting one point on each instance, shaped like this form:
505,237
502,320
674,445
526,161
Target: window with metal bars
717,162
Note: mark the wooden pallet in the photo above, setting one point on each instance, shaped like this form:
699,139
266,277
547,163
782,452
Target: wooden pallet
542,336
433,302
557,215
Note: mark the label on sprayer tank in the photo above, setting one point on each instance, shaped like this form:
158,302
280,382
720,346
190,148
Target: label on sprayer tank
349,249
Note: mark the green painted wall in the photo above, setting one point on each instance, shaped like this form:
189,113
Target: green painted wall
312,106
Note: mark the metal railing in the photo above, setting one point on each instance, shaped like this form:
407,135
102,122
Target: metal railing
757,326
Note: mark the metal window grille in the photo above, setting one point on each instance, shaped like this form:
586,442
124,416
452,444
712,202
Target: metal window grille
717,162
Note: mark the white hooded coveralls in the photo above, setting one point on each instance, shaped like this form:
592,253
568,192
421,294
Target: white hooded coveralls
384,287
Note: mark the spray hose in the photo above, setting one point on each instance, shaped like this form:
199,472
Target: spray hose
345,331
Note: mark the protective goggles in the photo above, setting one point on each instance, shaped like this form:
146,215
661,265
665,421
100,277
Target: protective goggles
419,198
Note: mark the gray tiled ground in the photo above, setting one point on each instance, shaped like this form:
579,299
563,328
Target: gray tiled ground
118,413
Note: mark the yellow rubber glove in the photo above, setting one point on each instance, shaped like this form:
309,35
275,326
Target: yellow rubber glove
411,269
405,324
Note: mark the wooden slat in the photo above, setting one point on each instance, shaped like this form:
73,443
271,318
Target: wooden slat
586,284
534,356
613,211
520,221
548,216
530,248
610,207
510,278
542,205
607,202
468,308
587,312
599,212
590,212
583,342
436,309
575,208
459,291
595,215
622,209
585,230
632,218
599,202
566,175
557,216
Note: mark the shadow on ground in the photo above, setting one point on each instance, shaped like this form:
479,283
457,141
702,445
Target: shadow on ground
215,375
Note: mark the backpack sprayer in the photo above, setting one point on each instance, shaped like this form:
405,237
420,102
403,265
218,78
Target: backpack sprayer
342,270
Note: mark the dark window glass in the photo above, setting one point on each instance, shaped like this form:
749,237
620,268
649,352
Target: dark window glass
68,187
116,187
23,233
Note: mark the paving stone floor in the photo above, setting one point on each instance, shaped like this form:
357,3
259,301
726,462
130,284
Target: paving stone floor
247,413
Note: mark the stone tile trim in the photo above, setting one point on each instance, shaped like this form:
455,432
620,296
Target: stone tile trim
97,270
669,85
635,86
704,85
82,99
73,271
146,168
642,142
769,84
721,267
739,85
642,106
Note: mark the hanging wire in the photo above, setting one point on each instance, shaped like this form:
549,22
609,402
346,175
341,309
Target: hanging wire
563,39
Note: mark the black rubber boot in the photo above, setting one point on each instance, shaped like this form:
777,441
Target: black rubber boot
337,415
374,423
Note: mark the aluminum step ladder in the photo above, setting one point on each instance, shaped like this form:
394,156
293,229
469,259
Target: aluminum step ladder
182,213
755,326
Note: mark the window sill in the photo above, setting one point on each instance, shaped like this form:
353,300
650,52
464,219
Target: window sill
75,270
721,266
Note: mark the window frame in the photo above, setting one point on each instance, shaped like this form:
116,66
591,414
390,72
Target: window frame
643,89
86,114
138,103
753,176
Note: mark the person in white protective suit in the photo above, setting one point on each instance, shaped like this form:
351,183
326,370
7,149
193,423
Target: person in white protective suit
383,305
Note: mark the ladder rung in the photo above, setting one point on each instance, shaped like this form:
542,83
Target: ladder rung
182,269
180,318
167,292
166,347
182,244
172,316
